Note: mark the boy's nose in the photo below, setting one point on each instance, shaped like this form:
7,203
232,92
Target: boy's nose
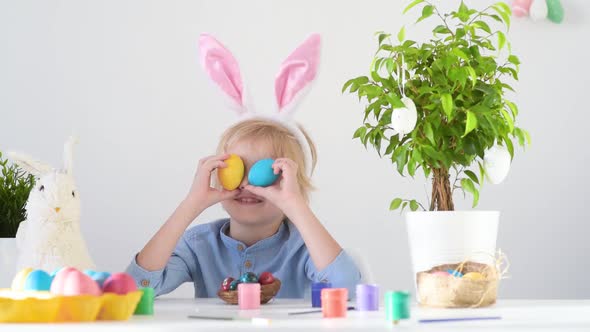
244,180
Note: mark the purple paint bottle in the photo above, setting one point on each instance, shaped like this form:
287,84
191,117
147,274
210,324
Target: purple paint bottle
367,297
316,293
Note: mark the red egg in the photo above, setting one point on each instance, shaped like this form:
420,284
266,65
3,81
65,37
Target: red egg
119,283
226,283
266,278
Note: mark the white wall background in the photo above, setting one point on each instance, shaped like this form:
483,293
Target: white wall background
124,76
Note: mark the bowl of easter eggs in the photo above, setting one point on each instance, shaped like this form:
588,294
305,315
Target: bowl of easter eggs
269,287
460,285
68,295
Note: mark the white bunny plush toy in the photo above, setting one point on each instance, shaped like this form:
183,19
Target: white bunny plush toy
50,237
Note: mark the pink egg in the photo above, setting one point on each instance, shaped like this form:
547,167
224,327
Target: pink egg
70,281
441,273
119,283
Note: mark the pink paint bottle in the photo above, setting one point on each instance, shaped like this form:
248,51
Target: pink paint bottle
249,296
334,302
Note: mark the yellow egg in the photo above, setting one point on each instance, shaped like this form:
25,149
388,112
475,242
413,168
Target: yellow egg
474,276
231,176
18,283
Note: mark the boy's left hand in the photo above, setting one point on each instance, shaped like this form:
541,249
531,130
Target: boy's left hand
285,193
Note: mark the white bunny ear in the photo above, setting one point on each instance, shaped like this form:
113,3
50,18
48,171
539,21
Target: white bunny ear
69,154
223,69
296,74
29,164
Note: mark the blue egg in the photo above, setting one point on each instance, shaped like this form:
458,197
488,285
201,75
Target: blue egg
100,277
261,174
89,272
38,280
455,273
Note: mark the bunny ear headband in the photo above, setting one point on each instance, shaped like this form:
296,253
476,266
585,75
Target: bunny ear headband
295,76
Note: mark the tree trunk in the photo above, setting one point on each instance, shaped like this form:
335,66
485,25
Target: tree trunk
442,196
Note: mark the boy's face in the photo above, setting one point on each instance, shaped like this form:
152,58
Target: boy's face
247,208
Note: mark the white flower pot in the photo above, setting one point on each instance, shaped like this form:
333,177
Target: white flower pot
7,261
443,237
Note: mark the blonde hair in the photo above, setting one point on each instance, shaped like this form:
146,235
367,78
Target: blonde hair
282,141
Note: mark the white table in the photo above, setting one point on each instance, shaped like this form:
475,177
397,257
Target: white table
171,315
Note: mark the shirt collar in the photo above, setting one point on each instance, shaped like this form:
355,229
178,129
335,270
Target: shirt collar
271,241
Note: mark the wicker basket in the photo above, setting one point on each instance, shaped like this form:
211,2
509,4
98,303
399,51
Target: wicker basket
267,292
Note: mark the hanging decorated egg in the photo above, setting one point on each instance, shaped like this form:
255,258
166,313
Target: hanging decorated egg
403,119
538,10
231,176
496,163
554,11
520,8
261,174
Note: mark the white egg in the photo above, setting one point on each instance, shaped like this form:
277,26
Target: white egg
403,119
538,10
496,163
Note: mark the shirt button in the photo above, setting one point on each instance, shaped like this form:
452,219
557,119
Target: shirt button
248,264
240,247
145,283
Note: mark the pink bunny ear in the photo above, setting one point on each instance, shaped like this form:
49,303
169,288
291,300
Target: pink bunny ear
297,72
222,68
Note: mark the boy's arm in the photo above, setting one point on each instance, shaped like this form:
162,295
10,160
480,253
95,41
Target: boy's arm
328,260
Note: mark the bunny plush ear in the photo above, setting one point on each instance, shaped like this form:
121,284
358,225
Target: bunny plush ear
296,74
69,154
223,69
29,164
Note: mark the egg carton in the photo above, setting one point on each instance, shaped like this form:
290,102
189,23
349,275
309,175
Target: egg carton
45,307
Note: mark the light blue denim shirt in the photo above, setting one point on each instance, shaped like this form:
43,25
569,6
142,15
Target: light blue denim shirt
205,255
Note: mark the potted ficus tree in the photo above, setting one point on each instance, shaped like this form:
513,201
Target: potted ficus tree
15,186
441,107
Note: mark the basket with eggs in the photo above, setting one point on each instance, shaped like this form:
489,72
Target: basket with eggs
269,287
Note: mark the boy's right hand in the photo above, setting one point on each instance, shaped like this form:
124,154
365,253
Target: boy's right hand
201,193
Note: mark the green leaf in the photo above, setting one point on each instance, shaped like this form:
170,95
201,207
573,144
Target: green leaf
427,11
501,40
460,54
382,37
472,176
447,104
472,75
395,204
347,84
360,132
513,59
414,205
411,5
394,100
401,35
468,185
429,133
483,26
471,123
508,119
389,65
500,8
